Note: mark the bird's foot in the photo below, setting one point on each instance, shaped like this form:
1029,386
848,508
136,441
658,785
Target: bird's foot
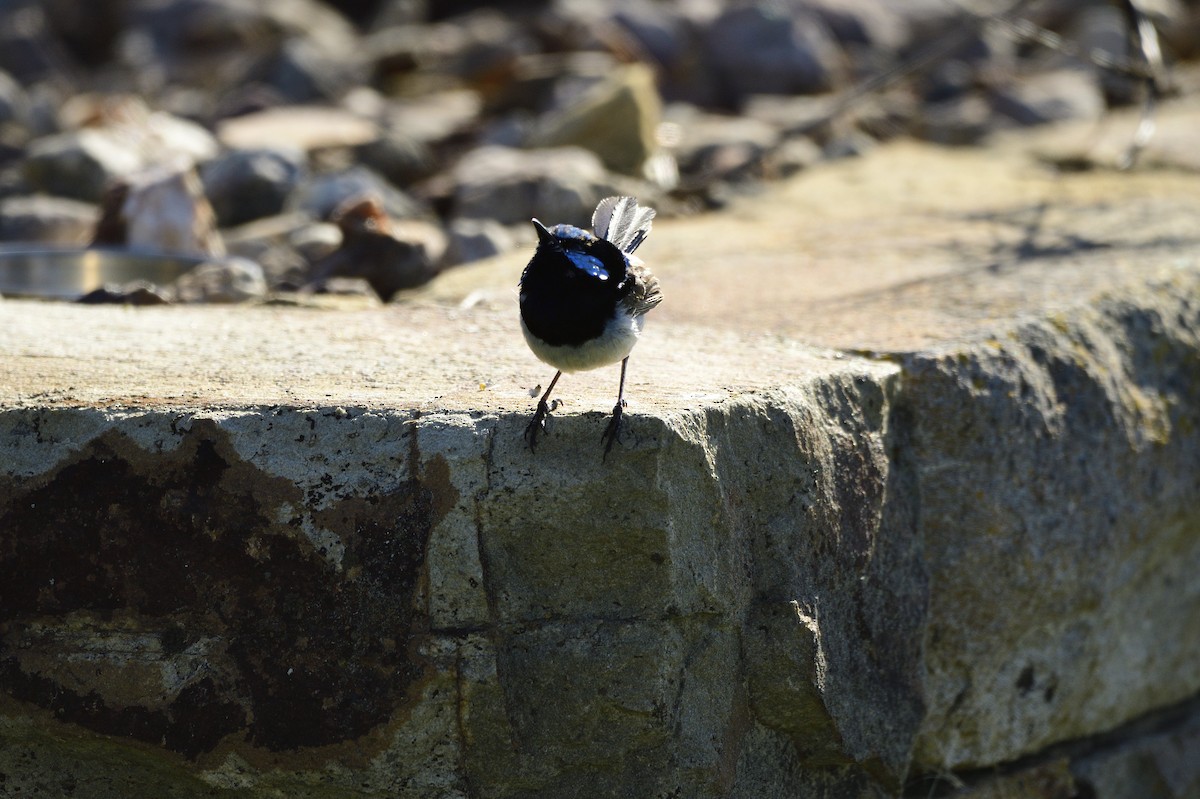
612,433
536,425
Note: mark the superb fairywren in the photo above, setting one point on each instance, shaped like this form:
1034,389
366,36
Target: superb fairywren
584,297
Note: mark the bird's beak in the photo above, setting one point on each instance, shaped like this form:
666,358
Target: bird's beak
544,236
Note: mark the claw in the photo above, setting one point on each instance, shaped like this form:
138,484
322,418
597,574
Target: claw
612,433
536,425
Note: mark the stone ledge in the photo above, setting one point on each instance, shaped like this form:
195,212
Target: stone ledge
247,551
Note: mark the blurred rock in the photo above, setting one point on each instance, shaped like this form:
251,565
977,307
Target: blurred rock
548,81
927,20
315,241
238,101
885,116
617,120
89,30
874,29
848,144
321,195
224,281
667,35
771,49
1178,25
166,137
14,103
165,209
399,157
513,129
794,116
137,292
282,265
80,164
217,45
45,99
364,12
1057,96
977,57
951,78
304,72
347,287
117,137
274,243
512,186
479,49
434,117
12,150
476,239
243,185
958,121
275,227
301,128
400,12
792,156
429,236
1100,29
28,49
46,220
720,147
369,250
158,137
402,49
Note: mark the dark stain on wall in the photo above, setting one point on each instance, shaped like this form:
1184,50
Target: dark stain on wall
173,598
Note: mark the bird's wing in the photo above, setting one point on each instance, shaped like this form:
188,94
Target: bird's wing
622,221
644,293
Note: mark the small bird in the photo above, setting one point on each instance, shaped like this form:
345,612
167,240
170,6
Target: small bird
584,298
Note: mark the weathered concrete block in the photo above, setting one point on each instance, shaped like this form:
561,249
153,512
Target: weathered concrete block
280,598
1058,471
263,551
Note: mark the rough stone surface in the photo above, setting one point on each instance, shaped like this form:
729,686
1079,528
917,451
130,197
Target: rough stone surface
1158,761
949,540
1099,411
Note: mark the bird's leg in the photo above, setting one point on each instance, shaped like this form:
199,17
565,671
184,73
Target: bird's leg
538,422
612,433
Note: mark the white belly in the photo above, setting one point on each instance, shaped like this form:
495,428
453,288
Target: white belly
614,345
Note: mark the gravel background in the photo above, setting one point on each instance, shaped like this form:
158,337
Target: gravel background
364,146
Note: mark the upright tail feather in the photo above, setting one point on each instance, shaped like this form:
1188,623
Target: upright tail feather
622,221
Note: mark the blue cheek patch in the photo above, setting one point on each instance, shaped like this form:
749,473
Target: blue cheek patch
587,263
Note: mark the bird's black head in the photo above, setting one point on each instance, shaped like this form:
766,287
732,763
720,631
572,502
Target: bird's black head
579,255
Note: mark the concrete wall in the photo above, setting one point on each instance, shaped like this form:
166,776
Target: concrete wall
239,557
